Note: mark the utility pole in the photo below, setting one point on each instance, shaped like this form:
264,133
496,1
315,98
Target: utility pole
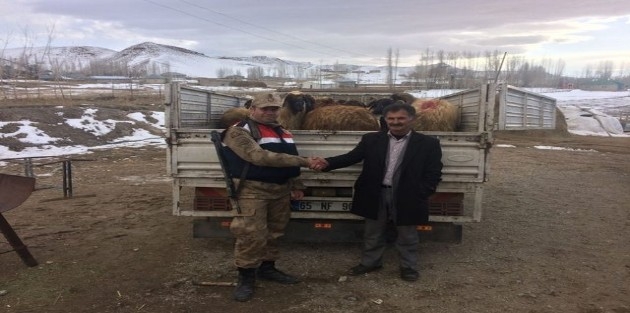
320,74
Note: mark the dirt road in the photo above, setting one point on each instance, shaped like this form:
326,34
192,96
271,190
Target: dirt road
553,238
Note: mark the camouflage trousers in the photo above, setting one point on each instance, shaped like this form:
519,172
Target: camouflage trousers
256,229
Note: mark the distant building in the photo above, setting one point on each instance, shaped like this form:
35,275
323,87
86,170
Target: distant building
153,79
46,75
234,77
347,84
172,75
324,84
111,79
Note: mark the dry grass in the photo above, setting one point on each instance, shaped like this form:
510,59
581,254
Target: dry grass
29,93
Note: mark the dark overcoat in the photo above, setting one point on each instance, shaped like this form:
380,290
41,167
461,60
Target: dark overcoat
416,179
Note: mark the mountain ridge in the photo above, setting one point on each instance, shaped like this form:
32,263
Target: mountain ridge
153,58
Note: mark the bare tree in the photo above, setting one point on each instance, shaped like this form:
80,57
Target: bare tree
255,73
493,61
604,70
224,72
390,70
588,71
511,67
281,69
5,65
395,67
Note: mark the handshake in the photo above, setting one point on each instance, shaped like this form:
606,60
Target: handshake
317,163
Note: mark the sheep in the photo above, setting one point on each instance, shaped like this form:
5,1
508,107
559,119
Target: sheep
326,101
435,115
300,111
294,107
377,107
403,96
232,116
353,102
340,117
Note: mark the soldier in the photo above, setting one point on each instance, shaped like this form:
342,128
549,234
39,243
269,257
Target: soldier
265,151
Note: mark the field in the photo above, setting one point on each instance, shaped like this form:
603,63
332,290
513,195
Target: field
553,238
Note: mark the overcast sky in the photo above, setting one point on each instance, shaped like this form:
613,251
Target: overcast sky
580,32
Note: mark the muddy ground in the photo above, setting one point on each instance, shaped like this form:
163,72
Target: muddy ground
553,238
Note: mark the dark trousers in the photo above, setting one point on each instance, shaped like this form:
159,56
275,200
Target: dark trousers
374,239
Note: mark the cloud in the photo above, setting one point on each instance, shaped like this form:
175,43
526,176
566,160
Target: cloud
343,31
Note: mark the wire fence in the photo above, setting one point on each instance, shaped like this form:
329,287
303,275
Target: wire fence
20,90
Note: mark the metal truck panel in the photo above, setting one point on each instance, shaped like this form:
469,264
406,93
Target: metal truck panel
202,109
194,163
521,109
471,104
194,156
192,160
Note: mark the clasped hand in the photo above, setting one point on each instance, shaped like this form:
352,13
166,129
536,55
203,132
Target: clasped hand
317,163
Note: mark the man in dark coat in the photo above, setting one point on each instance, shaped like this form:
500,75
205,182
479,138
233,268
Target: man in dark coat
401,169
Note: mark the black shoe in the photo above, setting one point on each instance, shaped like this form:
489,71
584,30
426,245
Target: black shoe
268,271
245,287
362,269
409,274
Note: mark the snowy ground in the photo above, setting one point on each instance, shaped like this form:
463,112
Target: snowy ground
593,113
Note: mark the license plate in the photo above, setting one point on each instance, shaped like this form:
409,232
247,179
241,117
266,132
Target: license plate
332,206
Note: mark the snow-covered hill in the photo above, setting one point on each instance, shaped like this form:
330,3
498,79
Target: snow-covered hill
80,56
155,58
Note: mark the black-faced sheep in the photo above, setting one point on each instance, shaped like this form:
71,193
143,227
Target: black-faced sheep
404,97
377,107
294,108
435,115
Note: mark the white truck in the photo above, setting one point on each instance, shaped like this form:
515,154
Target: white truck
199,188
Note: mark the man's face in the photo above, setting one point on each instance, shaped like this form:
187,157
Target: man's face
264,115
399,122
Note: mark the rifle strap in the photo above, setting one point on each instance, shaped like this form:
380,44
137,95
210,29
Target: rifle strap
241,182
253,128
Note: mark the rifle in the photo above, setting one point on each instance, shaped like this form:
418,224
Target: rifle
229,182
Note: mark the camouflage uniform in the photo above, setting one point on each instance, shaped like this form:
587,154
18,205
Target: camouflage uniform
265,207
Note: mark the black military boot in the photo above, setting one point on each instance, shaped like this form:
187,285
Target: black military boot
268,271
245,288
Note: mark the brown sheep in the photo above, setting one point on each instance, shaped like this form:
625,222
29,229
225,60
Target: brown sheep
340,117
435,115
295,106
232,116
326,101
356,103
403,96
